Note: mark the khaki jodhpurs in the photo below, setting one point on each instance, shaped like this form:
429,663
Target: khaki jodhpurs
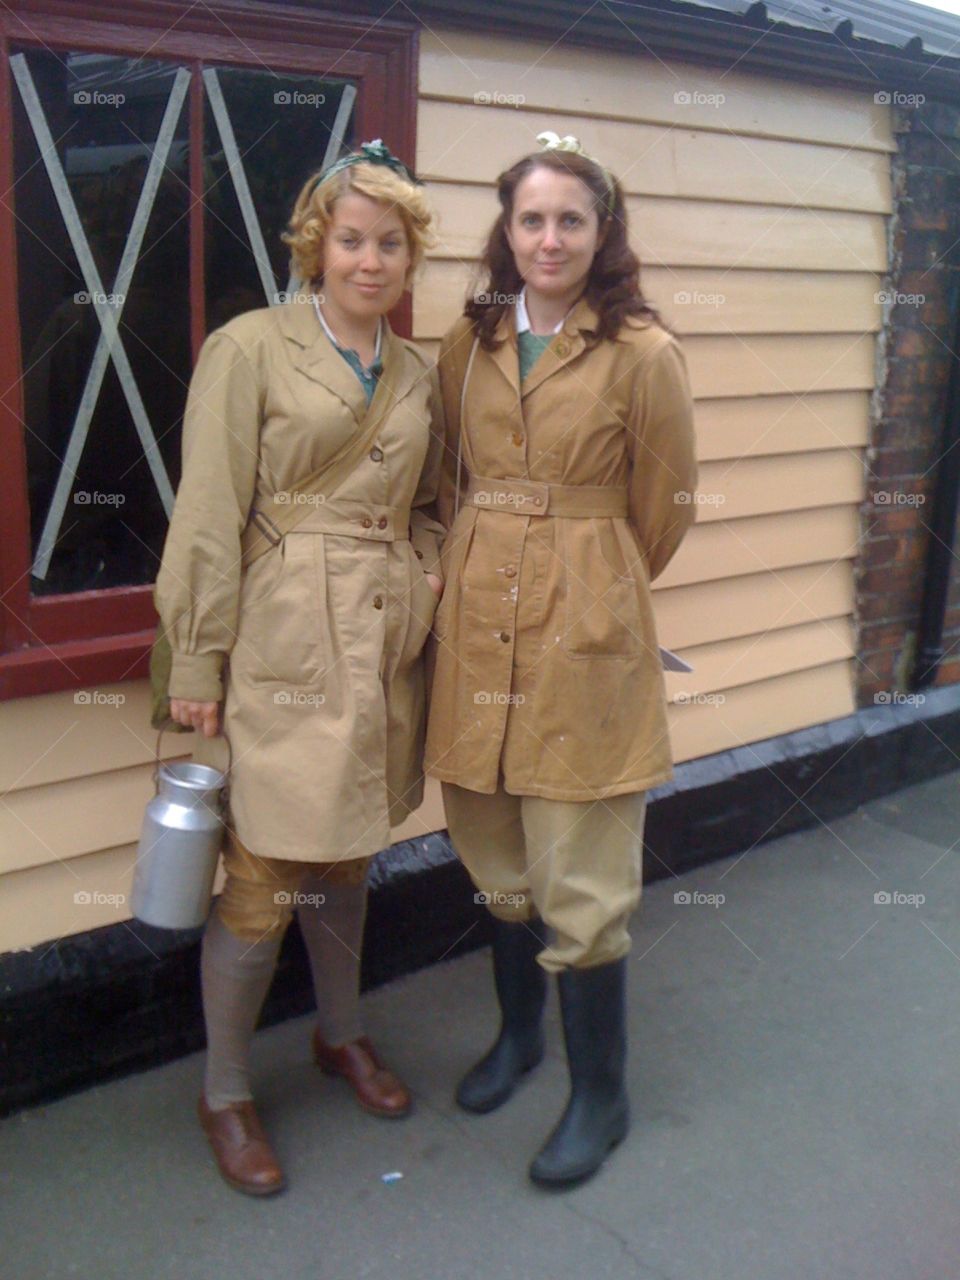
260,895
576,864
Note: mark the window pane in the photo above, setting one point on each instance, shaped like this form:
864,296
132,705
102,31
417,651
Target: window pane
104,114
283,127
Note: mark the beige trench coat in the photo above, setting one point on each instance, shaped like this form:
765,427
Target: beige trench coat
546,660
317,647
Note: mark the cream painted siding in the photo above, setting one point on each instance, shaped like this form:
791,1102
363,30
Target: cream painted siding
774,202
70,818
758,210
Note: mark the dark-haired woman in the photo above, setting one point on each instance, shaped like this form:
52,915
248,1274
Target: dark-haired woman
570,468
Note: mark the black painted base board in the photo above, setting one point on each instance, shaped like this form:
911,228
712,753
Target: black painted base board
126,997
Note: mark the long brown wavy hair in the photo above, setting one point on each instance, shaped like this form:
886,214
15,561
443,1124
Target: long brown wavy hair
613,283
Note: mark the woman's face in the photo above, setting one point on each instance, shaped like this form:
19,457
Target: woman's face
554,232
366,258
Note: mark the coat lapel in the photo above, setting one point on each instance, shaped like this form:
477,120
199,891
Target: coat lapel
400,373
504,355
566,346
318,358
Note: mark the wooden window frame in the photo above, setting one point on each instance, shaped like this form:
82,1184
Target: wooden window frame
52,643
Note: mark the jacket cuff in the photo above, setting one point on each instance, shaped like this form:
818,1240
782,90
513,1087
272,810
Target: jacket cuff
196,677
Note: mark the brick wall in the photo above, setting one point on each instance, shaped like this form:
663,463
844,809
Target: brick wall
922,291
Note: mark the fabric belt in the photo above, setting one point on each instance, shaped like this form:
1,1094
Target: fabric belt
342,516
531,498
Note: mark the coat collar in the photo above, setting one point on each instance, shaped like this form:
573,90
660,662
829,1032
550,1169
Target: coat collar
564,346
317,358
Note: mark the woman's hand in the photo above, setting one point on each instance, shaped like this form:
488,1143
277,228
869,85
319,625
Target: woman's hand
202,716
436,583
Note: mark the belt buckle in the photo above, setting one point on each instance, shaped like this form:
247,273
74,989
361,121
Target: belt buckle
266,527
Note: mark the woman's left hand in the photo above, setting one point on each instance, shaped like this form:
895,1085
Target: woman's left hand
436,583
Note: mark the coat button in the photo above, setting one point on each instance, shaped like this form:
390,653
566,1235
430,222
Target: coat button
505,637
517,439
511,571
418,554
538,502
378,602
376,455
382,522
563,349
367,522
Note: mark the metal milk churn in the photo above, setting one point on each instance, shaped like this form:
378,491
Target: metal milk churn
179,846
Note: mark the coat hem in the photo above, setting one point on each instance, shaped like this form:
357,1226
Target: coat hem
319,854
576,795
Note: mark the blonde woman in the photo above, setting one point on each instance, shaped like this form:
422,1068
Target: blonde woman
310,662
568,485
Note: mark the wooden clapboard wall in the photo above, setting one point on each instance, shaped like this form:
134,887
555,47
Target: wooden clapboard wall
774,200
760,221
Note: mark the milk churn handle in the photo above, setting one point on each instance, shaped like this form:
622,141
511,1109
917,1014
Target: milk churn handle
156,767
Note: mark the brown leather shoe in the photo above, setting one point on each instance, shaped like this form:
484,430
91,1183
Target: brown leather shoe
243,1153
378,1090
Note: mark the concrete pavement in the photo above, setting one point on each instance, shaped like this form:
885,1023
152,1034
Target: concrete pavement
794,1068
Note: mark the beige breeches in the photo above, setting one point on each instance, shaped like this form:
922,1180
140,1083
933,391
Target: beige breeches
576,864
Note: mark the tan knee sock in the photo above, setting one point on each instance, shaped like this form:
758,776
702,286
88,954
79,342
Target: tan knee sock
333,933
235,976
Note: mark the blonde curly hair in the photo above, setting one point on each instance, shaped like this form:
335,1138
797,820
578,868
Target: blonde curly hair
313,214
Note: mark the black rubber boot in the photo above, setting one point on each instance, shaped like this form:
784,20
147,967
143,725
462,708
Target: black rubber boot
521,986
598,1112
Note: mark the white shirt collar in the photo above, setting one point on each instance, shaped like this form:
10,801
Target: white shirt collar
523,320
333,338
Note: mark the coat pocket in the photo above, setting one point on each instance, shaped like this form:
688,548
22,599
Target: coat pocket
281,622
602,612
453,557
421,605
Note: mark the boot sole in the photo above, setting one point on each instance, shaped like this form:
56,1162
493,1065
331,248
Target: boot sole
563,1181
500,1099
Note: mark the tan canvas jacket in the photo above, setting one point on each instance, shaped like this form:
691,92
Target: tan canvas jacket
547,664
316,650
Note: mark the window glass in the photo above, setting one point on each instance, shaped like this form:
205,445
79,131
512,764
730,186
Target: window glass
285,128
105,526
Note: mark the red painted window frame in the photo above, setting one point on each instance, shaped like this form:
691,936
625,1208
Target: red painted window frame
66,642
